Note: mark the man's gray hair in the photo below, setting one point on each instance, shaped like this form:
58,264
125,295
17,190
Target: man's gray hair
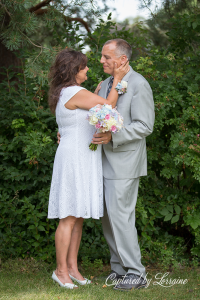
122,47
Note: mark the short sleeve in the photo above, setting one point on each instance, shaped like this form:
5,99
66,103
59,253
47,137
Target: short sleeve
68,92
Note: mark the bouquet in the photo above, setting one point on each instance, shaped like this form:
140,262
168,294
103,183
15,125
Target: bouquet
104,118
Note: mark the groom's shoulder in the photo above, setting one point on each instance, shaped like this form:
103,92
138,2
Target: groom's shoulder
137,78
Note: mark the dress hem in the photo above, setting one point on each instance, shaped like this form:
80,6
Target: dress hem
96,218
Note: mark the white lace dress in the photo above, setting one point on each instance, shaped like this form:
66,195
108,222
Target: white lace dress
77,182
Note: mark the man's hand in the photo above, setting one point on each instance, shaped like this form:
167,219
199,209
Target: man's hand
58,136
102,138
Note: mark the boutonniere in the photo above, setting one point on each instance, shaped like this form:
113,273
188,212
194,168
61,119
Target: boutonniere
121,87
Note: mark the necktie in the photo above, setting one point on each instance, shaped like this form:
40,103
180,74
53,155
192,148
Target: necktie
110,86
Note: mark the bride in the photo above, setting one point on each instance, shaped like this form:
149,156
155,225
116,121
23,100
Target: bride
77,185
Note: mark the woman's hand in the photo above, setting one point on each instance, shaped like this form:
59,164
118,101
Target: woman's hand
58,137
120,72
98,88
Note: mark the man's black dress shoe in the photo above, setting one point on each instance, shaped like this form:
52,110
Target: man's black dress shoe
131,281
115,276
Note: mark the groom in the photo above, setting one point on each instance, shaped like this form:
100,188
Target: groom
124,161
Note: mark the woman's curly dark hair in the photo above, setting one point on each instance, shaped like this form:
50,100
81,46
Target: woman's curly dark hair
62,73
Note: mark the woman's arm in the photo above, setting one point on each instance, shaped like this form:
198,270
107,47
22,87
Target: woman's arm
86,100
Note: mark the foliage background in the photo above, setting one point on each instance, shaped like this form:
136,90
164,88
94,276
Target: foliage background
168,206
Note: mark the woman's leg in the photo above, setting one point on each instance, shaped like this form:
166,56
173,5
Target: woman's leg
73,249
63,237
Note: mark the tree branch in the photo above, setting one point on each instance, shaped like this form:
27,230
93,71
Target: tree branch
85,24
146,5
39,5
43,11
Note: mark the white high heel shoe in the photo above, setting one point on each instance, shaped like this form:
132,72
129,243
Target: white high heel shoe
81,282
66,285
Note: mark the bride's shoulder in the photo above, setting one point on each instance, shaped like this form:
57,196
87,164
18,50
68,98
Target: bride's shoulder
73,87
70,89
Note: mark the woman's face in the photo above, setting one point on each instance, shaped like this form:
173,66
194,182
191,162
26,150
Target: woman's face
81,76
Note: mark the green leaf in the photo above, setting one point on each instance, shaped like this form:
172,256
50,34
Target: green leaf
146,236
151,211
179,74
36,236
164,211
36,244
193,221
170,208
41,228
177,209
42,214
168,217
175,219
194,25
31,227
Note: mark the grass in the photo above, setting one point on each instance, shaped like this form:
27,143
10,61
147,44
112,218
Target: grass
28,279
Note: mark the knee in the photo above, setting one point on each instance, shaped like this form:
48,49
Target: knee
78,225
79,221
68,222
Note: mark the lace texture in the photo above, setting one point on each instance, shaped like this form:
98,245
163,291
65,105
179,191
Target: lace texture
77,182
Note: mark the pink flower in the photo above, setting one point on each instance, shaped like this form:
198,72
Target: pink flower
97,125
113,128
107,117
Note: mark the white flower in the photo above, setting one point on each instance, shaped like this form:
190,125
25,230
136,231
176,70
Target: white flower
93,120
124,84
110,123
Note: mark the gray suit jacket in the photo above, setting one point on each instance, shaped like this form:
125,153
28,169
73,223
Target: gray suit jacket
125,156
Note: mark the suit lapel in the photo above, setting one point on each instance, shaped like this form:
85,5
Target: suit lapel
105,87
125,78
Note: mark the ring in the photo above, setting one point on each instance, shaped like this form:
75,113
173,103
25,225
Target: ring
102,142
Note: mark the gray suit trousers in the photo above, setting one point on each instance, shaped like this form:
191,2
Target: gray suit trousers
118,222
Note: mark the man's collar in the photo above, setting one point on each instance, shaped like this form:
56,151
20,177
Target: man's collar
111,79
126,77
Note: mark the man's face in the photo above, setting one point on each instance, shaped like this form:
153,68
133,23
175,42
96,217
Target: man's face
109,58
